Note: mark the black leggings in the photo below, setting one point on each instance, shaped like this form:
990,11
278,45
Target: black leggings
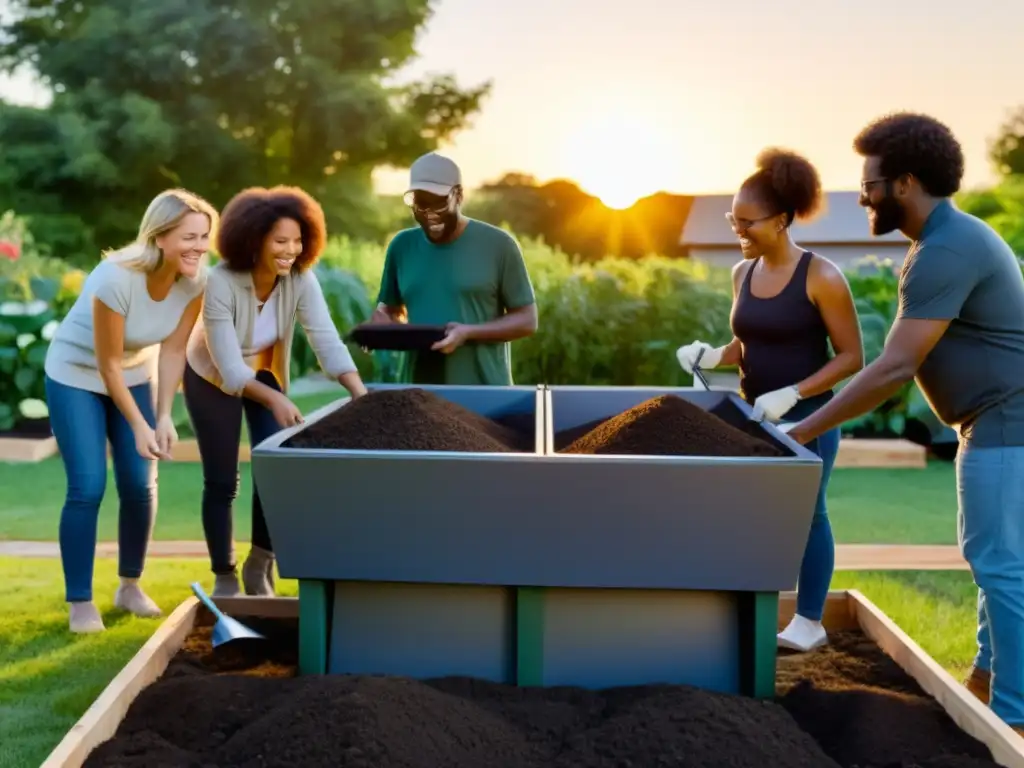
217,421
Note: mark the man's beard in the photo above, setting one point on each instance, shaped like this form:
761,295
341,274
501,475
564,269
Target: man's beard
889,216
439,228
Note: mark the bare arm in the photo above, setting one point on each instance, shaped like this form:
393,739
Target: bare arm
171,365
909,343
108,334
934,285
834,299
515,324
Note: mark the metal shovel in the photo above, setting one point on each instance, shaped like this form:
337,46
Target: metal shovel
226,629
698,372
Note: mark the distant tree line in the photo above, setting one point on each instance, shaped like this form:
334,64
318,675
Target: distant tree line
579,224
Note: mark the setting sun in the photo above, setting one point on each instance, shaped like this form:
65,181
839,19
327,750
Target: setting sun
619,158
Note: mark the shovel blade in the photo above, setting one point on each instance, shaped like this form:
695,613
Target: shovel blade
228,629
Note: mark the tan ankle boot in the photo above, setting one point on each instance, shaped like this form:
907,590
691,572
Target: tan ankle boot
979,683
254,573
130,597
226,585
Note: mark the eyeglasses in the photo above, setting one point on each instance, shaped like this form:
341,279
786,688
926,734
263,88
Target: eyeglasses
741,225
865,185
434,207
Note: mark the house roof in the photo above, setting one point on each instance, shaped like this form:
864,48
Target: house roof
843,221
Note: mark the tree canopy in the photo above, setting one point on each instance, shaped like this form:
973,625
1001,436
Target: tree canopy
214,97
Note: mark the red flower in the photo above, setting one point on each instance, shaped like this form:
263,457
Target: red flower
11,250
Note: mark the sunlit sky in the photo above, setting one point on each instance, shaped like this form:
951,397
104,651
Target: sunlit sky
632,98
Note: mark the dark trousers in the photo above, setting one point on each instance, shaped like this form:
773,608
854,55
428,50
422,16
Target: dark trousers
217,421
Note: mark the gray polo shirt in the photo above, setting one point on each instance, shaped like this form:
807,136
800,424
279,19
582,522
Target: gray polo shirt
962,271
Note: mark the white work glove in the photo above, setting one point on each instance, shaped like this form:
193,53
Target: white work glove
687,356
776,404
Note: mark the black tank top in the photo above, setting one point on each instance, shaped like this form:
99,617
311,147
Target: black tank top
784,339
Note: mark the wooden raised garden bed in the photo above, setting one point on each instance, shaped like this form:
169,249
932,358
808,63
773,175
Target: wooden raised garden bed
945,716
29,441
888,454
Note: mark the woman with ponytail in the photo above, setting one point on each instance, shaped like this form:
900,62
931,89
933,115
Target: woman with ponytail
788,304
129,325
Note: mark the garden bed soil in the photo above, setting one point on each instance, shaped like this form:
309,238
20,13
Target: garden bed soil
414,419
669,425
243,705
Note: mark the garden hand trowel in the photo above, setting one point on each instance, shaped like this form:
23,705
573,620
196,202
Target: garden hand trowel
226,629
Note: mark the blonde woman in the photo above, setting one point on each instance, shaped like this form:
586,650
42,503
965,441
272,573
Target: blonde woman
239,357
130,324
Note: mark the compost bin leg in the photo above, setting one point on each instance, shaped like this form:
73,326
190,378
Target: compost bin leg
316,606
529,639
759,625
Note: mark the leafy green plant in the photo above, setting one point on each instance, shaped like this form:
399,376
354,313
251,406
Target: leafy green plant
349,303
25,332
875,286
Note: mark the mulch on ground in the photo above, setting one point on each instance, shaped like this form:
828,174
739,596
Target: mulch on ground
848,705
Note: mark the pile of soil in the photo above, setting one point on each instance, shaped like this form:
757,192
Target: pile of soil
414,419
864,710
848,705
666,425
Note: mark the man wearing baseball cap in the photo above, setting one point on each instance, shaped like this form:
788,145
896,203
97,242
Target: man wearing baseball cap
459,272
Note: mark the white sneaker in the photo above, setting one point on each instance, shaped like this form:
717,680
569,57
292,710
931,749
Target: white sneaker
130,597
802,635
84,618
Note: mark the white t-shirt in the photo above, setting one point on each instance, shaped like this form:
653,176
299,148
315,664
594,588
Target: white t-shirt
264,334
71,358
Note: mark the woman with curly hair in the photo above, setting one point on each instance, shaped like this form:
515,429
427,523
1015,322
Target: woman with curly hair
239,355
788,303
128,326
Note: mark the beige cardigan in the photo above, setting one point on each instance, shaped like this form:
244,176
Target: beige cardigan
221,341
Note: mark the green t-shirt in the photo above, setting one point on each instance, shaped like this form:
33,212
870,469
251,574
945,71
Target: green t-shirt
475,279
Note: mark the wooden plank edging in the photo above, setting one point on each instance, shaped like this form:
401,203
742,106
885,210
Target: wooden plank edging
973,717
102,719
844,609
24,449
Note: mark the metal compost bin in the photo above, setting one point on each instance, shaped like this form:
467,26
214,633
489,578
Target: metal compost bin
541,568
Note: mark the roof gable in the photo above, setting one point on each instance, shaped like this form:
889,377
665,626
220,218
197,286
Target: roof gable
843,221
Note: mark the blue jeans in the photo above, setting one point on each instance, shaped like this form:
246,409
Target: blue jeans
819,553
990,527
82,423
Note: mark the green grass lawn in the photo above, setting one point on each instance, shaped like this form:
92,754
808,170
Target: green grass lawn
48,677
882,506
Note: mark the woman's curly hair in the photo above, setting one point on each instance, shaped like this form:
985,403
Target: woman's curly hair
915,144
786,182
250,216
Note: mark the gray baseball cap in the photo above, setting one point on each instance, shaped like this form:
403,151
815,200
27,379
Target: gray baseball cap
434,173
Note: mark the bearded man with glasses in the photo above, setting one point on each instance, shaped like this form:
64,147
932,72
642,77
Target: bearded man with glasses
458,272
959,331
